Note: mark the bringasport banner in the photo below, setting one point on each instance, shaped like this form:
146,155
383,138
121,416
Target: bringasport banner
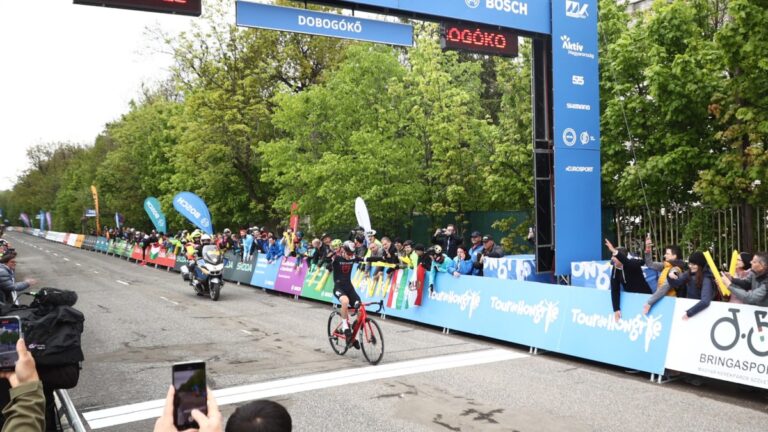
726,341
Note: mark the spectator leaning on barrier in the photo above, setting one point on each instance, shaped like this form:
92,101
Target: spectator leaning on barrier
699,283
440,263
672,265
447,239
628,273
8,285
755,282
360,248
274,251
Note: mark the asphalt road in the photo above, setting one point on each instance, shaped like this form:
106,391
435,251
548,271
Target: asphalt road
140,320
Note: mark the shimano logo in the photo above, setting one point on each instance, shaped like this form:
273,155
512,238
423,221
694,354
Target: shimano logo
512,6
472,4
574,9
581,169
188,207
468,300
581,107
574,48
648,326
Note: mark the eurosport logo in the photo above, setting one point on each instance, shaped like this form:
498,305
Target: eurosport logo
575,49
574,9
577,80
579,169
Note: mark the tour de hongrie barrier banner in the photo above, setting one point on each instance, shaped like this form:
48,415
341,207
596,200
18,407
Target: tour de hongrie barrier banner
725,341
515,267
597,274
194,209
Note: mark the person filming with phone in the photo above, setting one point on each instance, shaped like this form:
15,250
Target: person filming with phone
26,410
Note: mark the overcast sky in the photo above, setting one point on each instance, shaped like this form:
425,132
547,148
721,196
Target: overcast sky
66,70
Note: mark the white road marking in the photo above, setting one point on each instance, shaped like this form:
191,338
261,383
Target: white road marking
152,409
66,259
169,301
246,332
96,272
78,264
124,283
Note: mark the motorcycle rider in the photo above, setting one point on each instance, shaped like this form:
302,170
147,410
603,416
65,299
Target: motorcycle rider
195,252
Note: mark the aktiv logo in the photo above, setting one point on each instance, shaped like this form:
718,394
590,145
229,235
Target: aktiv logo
575,48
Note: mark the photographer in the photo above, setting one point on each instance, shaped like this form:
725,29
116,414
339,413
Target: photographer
447,239
490,249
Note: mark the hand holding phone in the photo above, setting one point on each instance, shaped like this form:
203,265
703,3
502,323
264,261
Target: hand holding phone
10,333
210,423
25,370
190,393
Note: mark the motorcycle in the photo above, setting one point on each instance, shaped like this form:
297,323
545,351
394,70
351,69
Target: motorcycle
207,277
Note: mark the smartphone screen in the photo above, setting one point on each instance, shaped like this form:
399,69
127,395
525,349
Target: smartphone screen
191,393
10,332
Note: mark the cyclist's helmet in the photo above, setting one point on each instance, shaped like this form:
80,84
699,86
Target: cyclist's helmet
349,247
335,244
196,234
438,249
205,239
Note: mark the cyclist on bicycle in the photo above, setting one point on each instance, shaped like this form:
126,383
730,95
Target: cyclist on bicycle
341,265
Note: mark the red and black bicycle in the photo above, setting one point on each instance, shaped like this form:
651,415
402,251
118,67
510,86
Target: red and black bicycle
365,330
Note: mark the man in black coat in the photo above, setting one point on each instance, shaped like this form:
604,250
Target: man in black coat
448,239
627,272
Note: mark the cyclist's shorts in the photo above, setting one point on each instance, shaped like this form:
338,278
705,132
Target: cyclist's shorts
346,290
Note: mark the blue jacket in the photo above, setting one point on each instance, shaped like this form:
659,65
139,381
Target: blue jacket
464,267
473,252
8,284
274,252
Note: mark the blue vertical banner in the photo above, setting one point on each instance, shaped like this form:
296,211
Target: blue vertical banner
194,209
41,216
156,215
323,24
576,102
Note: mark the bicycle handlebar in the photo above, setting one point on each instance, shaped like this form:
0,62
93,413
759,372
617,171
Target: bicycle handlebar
380,303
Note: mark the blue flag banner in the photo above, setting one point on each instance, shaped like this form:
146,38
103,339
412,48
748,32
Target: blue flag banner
41,216
194,209
156,215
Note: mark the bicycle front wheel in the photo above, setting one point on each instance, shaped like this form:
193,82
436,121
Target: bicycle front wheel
336,334
372,341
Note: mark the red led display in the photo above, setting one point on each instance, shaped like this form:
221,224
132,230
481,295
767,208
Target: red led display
473,38
181,7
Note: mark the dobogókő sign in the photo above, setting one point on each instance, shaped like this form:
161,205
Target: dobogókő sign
306,21
526,15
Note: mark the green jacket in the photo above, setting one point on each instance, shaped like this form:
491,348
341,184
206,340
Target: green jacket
26,411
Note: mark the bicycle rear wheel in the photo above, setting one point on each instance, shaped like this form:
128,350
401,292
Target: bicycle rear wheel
336,335
372,341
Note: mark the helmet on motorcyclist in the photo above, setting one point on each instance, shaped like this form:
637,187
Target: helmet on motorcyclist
196,234
335,244
227,231
205,239
349,247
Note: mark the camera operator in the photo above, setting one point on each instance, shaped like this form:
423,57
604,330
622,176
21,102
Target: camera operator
447,239
490,250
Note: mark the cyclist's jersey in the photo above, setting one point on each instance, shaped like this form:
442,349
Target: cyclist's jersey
342,269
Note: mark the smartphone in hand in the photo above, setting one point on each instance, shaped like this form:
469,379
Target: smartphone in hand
191,390
10,332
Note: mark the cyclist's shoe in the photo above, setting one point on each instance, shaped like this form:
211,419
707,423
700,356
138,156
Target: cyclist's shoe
348,336
356,344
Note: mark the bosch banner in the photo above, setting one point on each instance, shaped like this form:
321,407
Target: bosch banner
155,213
194,209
